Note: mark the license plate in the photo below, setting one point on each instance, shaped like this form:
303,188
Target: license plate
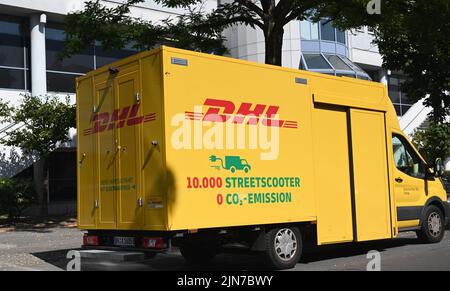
124,241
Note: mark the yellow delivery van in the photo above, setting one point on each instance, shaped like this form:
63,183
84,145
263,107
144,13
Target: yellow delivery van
178,148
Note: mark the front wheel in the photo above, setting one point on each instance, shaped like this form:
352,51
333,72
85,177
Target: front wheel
283,247
432,230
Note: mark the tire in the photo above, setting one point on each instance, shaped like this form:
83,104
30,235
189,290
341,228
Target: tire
198,253
246,170
433,226
283,247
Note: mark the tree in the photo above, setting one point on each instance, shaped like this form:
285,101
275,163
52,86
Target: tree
417,42
43,124
434,141
16,195
197,30
413,37
13,163
115,28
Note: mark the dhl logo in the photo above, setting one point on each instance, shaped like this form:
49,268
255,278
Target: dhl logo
223,111
127,116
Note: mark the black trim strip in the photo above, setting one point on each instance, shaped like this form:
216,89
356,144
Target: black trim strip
387,137
409,213
352,174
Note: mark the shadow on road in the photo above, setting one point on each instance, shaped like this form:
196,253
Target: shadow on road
321,253
230,261
55,258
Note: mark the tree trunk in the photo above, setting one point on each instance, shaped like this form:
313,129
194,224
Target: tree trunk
274,45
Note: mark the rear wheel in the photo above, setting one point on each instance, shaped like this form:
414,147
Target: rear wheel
283,247
432,230
198,253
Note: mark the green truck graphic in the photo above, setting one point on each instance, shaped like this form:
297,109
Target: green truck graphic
231,163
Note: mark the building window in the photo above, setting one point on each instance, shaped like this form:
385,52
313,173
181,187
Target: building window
316,61
309,30
327,30
78,63
14,53
61,74
340,36
399,98
335,65
324,29
103,58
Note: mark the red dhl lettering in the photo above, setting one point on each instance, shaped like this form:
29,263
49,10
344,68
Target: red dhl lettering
221,111
119,118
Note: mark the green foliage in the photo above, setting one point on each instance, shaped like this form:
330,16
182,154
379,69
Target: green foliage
12,163
197,30
16,196
413,37
433,142
417,42
44,123
114,28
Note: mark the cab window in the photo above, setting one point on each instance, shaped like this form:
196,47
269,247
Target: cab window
406,159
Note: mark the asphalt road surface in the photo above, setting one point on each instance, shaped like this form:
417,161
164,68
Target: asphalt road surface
46,249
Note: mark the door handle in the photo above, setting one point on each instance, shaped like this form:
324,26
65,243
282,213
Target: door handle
399,180
140,202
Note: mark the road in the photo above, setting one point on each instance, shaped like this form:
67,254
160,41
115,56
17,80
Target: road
46,249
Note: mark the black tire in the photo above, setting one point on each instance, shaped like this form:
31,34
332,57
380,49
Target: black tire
433,226
198,253
276,257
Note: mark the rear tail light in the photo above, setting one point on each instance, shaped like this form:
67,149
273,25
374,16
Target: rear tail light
153,243
90,240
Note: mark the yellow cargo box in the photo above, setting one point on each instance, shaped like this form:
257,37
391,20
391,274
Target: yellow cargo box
178,141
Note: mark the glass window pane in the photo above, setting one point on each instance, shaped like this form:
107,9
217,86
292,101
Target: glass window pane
78,63
104,58
316,61
11,43
405,108
28,80
398,110
305,30
406,159
340,36
57,82
327,30
315,31
394,93
352,65
12,79
337,63
393,81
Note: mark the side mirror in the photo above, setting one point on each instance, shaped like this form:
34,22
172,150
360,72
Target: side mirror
439,168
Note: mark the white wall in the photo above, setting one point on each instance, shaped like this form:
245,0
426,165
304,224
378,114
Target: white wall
362,49
147,10
248,43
